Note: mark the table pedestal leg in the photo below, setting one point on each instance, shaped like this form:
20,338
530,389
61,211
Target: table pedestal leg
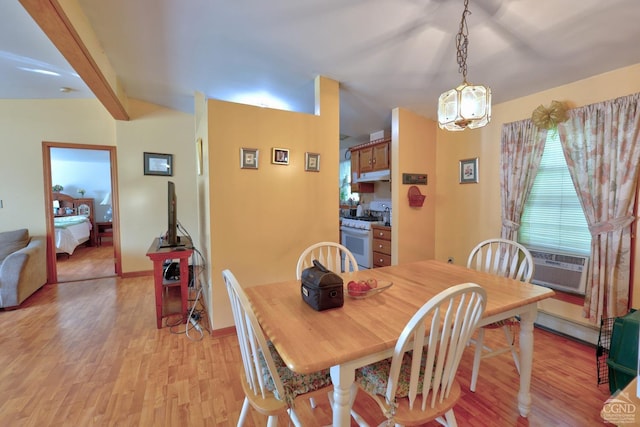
526,359
342,379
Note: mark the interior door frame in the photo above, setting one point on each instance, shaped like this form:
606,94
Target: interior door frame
52,271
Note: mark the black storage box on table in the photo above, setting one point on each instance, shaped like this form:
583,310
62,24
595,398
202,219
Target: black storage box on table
321,288
623,352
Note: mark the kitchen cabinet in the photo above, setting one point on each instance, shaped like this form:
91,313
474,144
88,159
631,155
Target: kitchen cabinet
381,245
374,157
358,187
370,157
365,160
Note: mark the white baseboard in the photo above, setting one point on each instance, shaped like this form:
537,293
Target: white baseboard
566,319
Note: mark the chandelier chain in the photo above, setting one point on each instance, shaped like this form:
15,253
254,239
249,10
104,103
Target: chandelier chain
462,42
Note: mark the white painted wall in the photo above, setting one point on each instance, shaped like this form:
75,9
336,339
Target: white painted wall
25,124
92,176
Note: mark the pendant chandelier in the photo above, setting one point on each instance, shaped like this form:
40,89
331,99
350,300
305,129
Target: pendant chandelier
468,105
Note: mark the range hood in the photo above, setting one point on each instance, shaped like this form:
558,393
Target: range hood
383,175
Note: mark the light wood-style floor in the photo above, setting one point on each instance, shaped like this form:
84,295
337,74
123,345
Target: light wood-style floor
88,353
87,262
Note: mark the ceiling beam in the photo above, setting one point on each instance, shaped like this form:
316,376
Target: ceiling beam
57,25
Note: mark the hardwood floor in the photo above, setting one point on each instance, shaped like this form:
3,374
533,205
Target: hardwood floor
88,353
87,262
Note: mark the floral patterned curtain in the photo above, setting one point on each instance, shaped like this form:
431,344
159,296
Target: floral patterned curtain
601,143
522,145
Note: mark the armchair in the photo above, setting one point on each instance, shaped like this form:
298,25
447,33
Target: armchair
23,266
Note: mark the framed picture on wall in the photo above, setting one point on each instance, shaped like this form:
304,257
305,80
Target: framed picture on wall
158,164
249,158
280,156
312,162
469,171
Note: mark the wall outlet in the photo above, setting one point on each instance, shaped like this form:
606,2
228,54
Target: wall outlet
450,260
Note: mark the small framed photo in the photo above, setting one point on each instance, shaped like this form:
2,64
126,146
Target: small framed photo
312,162
249,158
469,171
280,156
158,164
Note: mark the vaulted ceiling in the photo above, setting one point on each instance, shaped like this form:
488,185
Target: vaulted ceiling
384,53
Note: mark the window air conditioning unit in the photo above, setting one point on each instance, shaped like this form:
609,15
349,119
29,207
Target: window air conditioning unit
564,272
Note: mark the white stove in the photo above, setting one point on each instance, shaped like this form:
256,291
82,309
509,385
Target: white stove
357,235
360,223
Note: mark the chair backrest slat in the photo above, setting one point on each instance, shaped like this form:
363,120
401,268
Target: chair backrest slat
253,344
437,335
502,257
332,255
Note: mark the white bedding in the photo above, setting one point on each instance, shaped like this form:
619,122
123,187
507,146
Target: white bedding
71,231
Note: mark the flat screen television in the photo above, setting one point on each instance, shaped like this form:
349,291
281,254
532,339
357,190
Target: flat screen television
172,239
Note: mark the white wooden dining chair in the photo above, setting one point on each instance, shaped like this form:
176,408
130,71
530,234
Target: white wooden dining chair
269,386
417,384
334,256
506,258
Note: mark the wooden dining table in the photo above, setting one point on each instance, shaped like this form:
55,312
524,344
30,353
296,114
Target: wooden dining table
364,331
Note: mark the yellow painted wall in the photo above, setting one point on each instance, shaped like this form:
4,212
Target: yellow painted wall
469,213
465,213
261,220
413,150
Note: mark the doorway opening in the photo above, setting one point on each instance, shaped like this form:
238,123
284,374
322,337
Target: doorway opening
82,224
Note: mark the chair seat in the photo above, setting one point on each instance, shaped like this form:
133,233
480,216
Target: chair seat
294,383
407,417
267,405
373,378
499,324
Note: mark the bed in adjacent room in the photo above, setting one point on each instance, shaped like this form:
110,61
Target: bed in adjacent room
70,232
73,222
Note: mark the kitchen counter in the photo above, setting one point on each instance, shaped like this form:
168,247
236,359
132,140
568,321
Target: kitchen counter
369,218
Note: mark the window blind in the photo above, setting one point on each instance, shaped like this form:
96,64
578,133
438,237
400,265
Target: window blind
553,217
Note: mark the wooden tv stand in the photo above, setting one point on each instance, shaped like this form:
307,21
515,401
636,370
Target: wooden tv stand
159,256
